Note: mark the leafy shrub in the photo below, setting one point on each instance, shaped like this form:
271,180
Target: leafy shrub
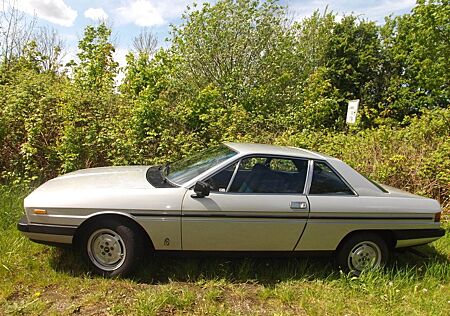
415,158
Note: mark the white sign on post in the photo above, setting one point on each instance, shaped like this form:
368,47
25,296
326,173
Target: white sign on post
352,110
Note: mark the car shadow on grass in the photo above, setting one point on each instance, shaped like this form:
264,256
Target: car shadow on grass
162,269
420,259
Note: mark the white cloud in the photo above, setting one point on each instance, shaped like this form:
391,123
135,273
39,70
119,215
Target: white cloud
150,12
141,13
374,10
96,14
54,11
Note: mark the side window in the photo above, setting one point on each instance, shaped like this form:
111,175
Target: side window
286,165
219,182
250,163
270,175
326,181
245,169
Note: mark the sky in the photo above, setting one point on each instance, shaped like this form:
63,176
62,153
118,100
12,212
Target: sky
128,17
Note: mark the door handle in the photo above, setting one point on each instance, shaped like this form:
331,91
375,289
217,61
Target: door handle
298,205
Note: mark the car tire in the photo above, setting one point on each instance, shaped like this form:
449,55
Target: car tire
362,251
111,247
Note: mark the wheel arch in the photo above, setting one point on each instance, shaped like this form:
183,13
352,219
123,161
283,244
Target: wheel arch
387,235
122,217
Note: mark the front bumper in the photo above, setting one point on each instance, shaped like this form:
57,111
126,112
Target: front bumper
416,237
46,233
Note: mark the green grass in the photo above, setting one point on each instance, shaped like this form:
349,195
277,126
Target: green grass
36,279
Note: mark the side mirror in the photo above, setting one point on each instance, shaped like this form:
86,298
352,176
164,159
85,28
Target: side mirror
201,190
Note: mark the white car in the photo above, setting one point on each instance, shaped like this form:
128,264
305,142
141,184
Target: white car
234,197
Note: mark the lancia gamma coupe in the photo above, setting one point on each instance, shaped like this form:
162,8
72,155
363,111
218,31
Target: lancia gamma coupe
236,197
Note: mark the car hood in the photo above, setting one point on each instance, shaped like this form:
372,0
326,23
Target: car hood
126,177
107,188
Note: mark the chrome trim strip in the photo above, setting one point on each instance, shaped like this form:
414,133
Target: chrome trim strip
232,215
309,173
339,176
312,216
247,220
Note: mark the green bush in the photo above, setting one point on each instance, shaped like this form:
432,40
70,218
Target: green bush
415,158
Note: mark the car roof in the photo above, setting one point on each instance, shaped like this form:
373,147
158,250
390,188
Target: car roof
251,148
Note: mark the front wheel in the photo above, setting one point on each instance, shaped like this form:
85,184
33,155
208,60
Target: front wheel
361,252
110,247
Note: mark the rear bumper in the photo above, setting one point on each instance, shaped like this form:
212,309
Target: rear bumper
415,237
46,233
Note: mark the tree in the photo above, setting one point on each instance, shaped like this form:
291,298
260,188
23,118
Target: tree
15,32
145,43
96,69
353,60
50,47
417,50
234,45
86,140
313,35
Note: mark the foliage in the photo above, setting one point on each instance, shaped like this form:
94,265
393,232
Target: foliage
416,48
30,119
236,70
415,158
91,107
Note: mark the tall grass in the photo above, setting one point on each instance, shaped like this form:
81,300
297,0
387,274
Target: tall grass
36,280
11,201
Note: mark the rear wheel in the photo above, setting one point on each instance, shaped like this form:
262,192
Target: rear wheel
361,252
110,247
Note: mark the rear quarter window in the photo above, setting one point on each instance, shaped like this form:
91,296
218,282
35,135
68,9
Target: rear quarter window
325,181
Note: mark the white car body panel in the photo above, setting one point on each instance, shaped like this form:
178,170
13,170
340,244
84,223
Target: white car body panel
332,218
218,223
73,198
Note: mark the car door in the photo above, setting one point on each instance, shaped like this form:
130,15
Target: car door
332,207
255,204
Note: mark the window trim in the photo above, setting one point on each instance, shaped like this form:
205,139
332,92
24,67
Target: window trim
233,175
309,174
355,194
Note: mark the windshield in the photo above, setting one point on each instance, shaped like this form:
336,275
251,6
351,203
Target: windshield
188,168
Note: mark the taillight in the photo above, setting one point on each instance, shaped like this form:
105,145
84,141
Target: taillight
437,217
